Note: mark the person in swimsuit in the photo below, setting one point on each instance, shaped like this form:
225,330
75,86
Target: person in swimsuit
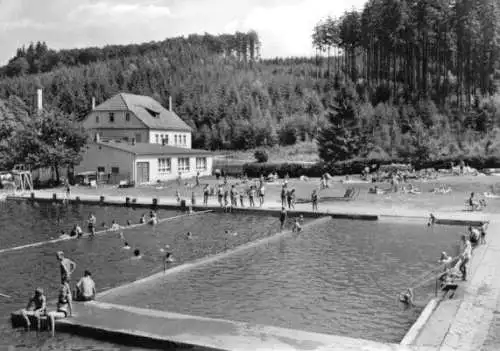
296,226
91,224
474,235
314,200
432,220
85,288
66,265
283,195
126,246
115,226
407,298
206,193
64,305
142,220
465,256
283,216
37,307
483,229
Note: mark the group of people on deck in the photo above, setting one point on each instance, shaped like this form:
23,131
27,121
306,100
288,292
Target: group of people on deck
454,267
37,305
457,267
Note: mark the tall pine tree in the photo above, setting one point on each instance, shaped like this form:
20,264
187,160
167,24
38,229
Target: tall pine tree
341,139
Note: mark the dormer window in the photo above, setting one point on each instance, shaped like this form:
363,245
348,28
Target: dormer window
111,117
127,117
154,114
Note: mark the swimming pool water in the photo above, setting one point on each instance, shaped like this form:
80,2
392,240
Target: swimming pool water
342,277
22,271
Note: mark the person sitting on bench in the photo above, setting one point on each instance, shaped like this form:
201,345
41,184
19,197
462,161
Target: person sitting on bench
37,307
85,288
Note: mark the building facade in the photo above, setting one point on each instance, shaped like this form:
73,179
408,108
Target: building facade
129,117
144,163
138,140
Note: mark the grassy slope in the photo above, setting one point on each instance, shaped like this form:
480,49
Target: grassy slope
300,152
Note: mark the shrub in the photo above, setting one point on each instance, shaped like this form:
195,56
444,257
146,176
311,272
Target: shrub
261,156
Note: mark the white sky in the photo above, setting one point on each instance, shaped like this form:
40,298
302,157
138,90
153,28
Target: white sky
284,26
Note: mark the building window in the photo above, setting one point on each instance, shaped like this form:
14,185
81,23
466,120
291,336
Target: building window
175,139
111,117
125,139
165,137
127,117
164,165
183,165
101,169
201,163
184,139
157,138
115,170
97,119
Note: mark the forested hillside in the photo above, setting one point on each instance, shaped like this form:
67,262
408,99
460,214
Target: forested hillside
417,77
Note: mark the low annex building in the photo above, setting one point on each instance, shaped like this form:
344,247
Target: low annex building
137,140
144,163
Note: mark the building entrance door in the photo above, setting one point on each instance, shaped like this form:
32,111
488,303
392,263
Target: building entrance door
142,172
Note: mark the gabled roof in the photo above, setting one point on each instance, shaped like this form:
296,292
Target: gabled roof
153,149
148,110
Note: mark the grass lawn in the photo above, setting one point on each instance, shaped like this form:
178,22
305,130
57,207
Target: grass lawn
454,201
300,152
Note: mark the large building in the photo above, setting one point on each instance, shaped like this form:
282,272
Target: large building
131,117
138,140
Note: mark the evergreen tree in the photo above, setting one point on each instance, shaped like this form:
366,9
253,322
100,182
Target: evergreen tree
341,139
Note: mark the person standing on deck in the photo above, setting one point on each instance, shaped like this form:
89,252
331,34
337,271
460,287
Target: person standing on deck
465,256
261,194
242,198
66,265
198,179
283,195
251,195
283,216
206,193
233,195
314,200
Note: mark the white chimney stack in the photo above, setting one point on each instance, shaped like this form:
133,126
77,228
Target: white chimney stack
170,103
93,103
39,100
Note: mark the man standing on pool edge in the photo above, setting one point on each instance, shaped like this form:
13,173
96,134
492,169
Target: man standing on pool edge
67,266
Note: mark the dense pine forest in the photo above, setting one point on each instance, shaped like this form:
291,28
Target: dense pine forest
398,79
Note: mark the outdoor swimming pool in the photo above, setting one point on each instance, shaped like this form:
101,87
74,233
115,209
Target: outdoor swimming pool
342,278
24,270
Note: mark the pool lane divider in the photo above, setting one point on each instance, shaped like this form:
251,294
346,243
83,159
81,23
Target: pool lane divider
210,259
99,233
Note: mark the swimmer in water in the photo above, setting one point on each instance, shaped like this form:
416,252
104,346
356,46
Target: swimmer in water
189,236
63,235
129,223
143,219
432,220
296,226
115,226
126,246
407,298
168,259
137,254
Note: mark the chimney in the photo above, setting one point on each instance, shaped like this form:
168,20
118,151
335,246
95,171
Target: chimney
170,103
93,103
39,100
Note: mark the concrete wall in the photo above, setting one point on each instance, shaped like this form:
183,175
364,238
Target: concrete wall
101,156
155,176
170,135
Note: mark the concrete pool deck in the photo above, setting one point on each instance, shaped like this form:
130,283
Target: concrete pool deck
464,323
163,329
